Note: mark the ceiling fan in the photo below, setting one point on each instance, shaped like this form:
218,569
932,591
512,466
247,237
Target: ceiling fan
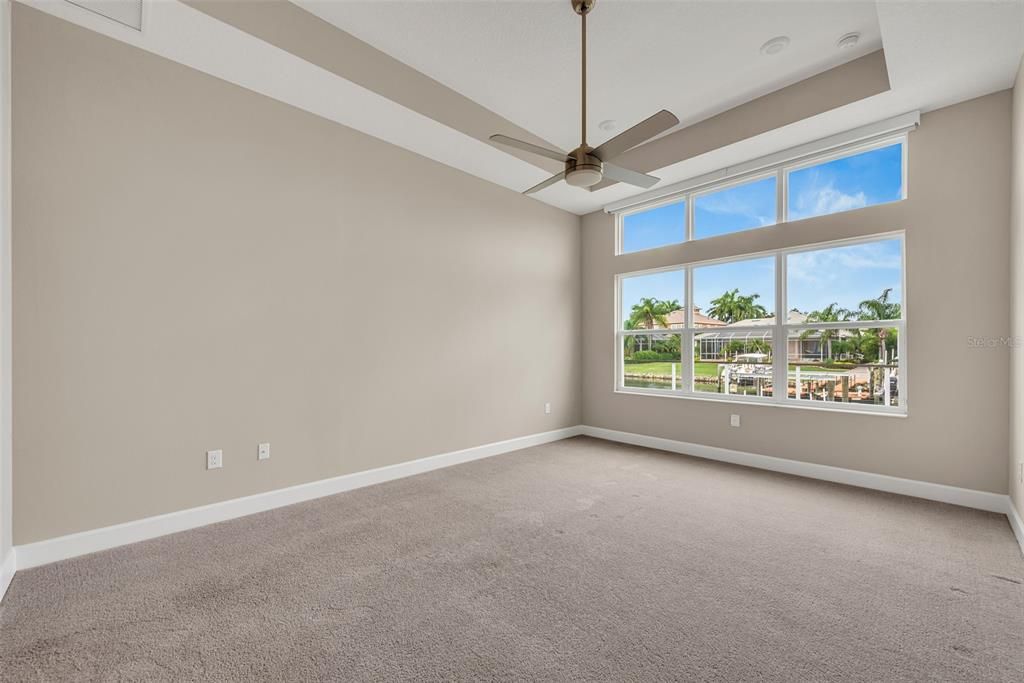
586,166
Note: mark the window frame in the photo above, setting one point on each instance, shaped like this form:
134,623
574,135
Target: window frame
779,330
844,153
781,171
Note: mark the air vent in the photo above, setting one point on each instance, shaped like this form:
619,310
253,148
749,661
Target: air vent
126,12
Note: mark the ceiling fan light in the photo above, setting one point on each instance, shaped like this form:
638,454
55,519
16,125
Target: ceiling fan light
583,176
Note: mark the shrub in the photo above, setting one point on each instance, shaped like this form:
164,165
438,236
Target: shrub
651,356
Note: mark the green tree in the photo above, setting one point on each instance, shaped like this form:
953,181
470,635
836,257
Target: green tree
629,343
881,308
733,306
833,313
649,313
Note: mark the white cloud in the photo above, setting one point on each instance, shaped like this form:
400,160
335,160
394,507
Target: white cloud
831,200
729,203
820,197
844,274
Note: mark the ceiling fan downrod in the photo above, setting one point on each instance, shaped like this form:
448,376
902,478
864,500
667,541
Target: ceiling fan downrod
587,170
587,166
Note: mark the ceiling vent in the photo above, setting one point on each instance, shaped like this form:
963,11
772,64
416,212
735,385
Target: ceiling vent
125,12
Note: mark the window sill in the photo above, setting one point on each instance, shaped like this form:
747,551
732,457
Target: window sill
820,406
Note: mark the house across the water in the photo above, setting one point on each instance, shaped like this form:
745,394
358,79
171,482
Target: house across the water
727,340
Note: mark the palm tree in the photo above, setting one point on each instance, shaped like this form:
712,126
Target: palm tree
650,312
630,342
733,306
881,308
832,313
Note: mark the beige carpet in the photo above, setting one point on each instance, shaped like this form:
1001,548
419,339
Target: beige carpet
579,560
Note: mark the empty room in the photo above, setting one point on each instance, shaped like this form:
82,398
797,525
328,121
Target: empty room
521,340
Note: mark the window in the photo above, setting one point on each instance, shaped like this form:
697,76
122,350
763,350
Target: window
846,183
840,344
845,323
738,207
657,227
824,183
650,307
734,308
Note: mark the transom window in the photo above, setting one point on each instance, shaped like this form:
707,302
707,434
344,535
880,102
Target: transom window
825,183
713,330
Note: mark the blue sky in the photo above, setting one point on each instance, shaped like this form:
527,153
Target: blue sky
751,205
654,228
754,276
872,177
845,275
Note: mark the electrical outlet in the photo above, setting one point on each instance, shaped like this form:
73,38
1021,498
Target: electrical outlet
734,420
214,459
263,452
547,408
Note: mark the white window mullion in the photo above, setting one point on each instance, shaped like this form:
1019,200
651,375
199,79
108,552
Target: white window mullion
618,356
619,365
689,217
901,362
781,192
686,341
780,343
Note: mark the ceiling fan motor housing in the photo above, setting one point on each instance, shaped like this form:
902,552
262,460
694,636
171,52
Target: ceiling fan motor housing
583,169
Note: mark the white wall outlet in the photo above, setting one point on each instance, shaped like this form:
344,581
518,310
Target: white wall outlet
734,420
547,408
214,459
263,452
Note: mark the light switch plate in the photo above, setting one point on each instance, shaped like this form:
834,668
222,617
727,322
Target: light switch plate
263,452
734,420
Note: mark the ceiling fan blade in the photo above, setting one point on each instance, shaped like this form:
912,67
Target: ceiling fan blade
625,175
550,181
529,147
641,132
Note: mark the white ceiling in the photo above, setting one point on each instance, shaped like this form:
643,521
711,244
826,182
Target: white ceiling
522,59
694,57
938,52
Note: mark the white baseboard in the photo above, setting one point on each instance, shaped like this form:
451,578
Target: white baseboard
1016,523
981,500
7,567
72,545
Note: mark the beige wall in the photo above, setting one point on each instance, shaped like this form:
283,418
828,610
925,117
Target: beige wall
218,269
202,267
6,488
956,220
1017,297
